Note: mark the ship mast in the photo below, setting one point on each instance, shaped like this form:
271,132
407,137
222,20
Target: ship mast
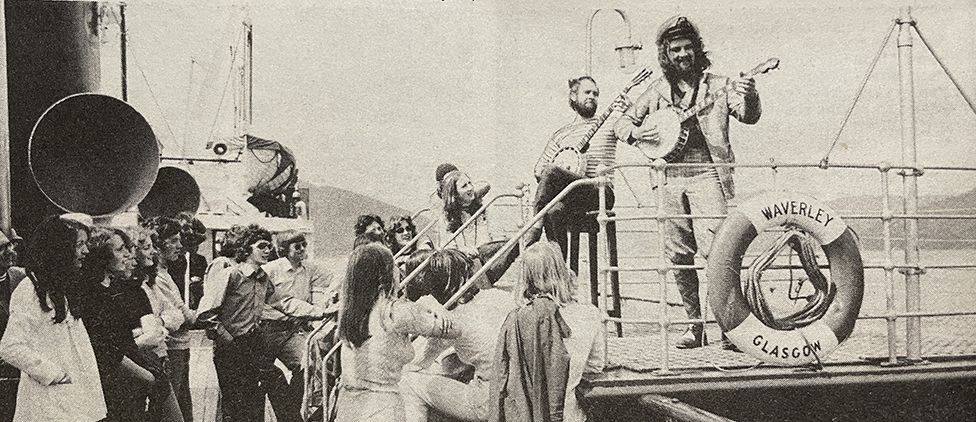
913,291
5,219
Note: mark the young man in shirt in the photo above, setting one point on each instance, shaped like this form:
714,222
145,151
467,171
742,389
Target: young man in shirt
241,358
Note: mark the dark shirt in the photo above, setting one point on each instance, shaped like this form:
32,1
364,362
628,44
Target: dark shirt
198,268
696,148
133,303
111,337
8,282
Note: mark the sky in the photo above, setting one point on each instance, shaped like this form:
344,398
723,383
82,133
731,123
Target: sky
372,96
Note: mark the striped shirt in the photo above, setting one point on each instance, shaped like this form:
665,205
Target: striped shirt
602,149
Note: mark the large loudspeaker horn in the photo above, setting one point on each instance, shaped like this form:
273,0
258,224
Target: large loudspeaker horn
175,191
93,154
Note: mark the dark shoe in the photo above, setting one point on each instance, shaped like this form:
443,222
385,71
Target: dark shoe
729,345
693,337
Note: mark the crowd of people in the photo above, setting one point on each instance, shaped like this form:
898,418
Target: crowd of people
96,320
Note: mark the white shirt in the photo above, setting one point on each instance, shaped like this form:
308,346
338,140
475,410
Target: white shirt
587,351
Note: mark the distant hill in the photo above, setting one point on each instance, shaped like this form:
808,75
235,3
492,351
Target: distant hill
334,211
942,234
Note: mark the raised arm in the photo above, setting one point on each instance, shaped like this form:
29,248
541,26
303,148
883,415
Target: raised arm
416,318
744,101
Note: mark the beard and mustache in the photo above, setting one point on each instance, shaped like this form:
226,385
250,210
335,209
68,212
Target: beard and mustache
689,69
586,109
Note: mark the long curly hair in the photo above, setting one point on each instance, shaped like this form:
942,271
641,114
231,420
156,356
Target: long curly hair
454,209
98,263
391,235
671,72
252,234
49,261
143,273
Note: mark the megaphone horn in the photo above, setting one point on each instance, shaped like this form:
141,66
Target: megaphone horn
93,154
175,191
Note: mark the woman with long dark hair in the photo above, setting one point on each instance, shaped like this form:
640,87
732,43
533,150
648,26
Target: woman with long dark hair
128,376
45,338
375,330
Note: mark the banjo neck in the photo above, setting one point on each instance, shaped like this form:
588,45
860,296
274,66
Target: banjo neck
598,123
712,97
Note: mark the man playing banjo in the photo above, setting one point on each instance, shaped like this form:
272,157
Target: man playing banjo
704,139
600,149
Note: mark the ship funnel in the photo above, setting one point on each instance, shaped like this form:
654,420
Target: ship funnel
93,154
175,191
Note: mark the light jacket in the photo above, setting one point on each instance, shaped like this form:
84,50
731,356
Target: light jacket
714,119
44,352
532,365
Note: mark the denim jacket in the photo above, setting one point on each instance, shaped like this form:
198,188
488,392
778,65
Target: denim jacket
714,119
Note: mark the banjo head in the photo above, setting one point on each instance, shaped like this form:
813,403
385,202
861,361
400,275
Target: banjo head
669,127
569,159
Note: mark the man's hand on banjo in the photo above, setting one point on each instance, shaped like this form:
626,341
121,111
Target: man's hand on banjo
647,132
744,86
622,103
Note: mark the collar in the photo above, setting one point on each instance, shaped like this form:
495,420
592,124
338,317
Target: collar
663,88
248,269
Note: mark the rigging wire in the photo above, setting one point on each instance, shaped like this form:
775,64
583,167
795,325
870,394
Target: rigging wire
860,90
223,93
145,78
946,70
629,187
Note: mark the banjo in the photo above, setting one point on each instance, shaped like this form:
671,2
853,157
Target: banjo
570,157
668,120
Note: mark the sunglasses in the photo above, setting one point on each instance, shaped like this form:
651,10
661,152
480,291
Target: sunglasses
403,229
299,245
263,245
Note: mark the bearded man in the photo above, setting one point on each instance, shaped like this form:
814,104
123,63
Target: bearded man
600,151
691,190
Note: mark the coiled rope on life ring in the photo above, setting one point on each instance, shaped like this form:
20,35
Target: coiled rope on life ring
828,318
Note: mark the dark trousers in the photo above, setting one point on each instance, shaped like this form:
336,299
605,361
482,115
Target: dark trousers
238,376
574,206
178,366
9,381
284,341
488,250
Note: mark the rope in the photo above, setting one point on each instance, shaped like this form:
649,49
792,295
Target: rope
815,308
860,90
223,94
629,187
946,70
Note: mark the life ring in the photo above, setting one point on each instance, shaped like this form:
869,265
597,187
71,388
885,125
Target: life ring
806,344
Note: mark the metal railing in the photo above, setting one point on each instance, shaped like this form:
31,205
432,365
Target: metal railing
911,268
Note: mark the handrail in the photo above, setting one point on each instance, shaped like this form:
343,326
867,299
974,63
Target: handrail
469,283
886,215
414,240
468,223
515,239
419,212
